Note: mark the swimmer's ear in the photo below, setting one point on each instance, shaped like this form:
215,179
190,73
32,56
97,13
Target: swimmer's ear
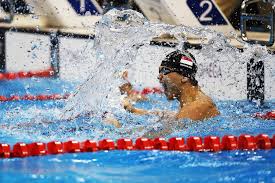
184,80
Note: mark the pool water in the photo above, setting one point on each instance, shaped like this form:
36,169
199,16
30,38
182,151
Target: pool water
31,121
142,166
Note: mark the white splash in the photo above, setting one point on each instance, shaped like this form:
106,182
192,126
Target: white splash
119,36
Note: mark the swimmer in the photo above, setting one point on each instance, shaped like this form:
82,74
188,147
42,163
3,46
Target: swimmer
177,76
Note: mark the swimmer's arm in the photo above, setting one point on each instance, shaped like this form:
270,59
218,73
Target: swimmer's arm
128,106
109,118
140,97
112,121
137,98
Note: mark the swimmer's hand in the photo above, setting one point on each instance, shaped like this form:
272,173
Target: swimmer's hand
128,106
109,118
112,121
137,97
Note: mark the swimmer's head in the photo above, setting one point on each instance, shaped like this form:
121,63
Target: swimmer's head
125,88
181,62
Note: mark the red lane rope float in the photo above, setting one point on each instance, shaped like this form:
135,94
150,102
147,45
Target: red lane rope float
42,97
197,144
22,75
50,73
267,116
148,90
34,97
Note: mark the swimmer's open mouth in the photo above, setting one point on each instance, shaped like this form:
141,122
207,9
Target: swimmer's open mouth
168,93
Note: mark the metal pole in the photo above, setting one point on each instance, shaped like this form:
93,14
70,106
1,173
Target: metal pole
54,51
2,50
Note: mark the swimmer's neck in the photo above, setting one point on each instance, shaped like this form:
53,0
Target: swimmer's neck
188,94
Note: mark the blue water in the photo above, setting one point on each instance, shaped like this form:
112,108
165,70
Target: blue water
25,121
142,166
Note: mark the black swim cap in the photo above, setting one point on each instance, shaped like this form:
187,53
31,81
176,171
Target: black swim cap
181,62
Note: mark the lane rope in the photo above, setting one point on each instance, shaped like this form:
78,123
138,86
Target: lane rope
34,97
43,97
23,75
266,116
192,144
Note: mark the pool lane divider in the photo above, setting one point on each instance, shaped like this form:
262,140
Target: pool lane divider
266,116
192,144
50,73
23,75
34,97
42,97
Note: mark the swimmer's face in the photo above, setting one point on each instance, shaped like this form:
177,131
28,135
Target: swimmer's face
168,82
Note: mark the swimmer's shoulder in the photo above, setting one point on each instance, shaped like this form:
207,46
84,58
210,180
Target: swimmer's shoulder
198,110
208,106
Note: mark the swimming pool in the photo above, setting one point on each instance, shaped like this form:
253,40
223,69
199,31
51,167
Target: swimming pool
126,166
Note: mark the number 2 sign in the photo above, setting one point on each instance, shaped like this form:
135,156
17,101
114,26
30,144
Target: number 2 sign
206,12
83,6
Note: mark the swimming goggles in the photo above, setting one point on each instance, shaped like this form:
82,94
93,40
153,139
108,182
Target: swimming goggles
166,70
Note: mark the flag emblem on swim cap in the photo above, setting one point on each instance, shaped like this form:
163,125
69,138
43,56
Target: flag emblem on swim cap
186,61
